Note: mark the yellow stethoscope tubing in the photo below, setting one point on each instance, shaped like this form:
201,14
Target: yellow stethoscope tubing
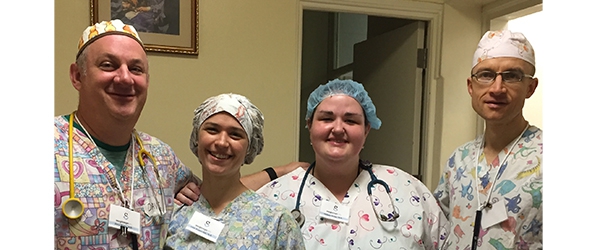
140,154
73,207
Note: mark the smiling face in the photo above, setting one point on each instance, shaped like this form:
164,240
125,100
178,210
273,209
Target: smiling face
337,129
115,78
501,103
222,145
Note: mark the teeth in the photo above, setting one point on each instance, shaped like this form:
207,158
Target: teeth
220,156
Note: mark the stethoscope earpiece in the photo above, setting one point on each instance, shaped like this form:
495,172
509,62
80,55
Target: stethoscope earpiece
72,208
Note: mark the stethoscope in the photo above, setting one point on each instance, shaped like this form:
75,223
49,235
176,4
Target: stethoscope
72,208
366,165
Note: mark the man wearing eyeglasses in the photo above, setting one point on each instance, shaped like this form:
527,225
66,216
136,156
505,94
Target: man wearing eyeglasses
491,188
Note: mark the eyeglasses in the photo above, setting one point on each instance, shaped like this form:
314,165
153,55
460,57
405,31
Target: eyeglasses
488,77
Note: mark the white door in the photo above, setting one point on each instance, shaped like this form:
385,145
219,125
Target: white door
387,66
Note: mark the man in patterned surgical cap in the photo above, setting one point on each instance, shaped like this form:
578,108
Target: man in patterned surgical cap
491,189
113,185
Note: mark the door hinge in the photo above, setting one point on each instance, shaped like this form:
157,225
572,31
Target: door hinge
422,58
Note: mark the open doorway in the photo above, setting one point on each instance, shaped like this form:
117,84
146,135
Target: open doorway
526,23
388,56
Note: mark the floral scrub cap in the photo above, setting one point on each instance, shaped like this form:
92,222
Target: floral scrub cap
113,27
239,107
504,43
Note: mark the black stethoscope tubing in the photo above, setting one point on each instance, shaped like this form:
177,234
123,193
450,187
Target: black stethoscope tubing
298,215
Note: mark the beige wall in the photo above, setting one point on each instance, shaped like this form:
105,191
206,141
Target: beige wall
246,47
461,32
252,48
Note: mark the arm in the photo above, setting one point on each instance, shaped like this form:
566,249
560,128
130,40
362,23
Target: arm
190,193
440,208
437,229
288,235
442,192
186,183
256,180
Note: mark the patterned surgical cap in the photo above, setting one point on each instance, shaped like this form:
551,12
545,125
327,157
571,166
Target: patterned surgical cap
113,27
239,107
504,43
344,87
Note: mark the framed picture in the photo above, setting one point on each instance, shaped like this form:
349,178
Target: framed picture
168,26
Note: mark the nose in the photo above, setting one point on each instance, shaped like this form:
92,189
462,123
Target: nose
337,127
123,75
498,85
221,140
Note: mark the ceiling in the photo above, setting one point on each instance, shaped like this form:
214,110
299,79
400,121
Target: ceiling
484,2
475,2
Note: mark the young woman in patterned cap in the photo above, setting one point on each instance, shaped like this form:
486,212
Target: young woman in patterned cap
227,133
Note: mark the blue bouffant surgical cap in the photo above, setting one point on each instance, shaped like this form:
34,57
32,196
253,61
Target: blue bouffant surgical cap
344,87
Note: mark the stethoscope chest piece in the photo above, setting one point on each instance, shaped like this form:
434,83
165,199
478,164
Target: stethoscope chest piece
298,216
72,208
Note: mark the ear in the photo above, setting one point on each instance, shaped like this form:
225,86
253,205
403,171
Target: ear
309,123
469,86
532,87
75,76
367,129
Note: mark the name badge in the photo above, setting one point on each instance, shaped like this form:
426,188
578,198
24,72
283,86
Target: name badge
333,211
494,214
124,217
205,226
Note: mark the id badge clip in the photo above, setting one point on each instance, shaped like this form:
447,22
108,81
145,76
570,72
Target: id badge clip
124,219
493,214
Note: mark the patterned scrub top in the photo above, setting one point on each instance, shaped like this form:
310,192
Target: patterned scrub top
517,184
250,222
95,186
421,224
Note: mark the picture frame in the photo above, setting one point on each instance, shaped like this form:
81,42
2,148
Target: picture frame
168,26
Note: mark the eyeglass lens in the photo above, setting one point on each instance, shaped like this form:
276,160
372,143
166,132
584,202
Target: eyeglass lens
507,76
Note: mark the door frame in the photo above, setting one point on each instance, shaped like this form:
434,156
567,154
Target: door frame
432,112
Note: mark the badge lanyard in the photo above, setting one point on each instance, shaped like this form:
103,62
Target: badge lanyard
486,203
73,207
128,203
